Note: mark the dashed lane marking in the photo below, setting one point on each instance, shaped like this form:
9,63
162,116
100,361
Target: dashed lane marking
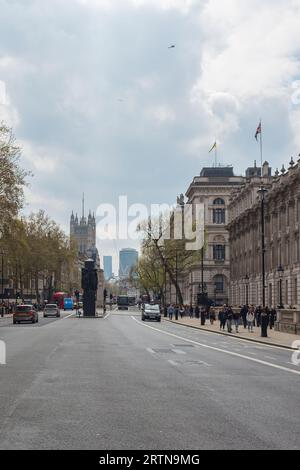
224,351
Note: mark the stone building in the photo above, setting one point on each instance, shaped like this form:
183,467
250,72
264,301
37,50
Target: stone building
282,250
212,188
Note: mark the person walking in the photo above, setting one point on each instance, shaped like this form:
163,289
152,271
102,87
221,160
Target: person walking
229,318
181,311
264,321
222,318
244,311
250,319
273,316
212,316
258,315
176,311
191,310
236,320
170,312
197,312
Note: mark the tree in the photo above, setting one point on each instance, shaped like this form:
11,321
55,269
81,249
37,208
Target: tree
12,178
174,257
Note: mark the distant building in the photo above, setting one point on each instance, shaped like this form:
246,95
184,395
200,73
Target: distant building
213,189
128,257
107,266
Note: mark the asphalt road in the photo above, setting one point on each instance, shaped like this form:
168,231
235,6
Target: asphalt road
119,383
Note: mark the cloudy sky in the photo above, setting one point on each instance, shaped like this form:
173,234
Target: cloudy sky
100,104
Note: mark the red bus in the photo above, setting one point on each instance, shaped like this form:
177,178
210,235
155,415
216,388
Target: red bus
58,298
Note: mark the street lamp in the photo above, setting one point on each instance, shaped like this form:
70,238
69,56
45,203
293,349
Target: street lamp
247,288
280,271
262,192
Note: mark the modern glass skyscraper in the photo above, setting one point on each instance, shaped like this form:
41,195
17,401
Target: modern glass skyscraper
107,266
128,258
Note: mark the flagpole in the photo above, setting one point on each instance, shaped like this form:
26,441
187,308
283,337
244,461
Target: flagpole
216,155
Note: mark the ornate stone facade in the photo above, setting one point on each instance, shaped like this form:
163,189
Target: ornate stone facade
212,188
282,249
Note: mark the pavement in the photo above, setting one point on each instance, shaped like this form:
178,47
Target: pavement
120,383
276,338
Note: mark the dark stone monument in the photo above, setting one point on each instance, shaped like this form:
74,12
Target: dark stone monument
89,284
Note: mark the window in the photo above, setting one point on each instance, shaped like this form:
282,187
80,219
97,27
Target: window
219,216
219,283
219,252
219,202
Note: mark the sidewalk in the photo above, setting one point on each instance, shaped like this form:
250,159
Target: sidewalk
275,338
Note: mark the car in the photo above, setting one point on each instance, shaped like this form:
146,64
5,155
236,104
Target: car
151,312
51,310
25,313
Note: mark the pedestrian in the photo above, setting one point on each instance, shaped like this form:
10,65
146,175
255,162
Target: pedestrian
181,311
222,317
176,311
212,316
170,312
273,316
197,312
258,315
264,321
250,318
191,311
236,320
229,318
244,311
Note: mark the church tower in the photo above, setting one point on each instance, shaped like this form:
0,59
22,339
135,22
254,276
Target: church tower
83,231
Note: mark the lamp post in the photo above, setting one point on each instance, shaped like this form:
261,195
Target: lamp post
280,271
247,289
262,192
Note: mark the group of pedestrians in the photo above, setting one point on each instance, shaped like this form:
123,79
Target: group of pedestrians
249,317
246,316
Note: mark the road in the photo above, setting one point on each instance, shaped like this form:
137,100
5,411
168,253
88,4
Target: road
119,383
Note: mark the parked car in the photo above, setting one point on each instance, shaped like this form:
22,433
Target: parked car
25,313
151,312
51,310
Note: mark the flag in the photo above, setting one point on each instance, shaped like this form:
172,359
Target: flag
213,147
258,130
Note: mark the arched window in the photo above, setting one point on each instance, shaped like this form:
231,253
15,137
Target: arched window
219,202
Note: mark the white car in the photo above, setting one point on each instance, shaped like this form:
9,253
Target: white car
51,310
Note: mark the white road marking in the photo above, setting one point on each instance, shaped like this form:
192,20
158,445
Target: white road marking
173,363
67,316
178,351
150,350
107,315
270,357
231,353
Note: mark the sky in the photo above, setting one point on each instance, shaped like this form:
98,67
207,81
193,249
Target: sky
100,104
